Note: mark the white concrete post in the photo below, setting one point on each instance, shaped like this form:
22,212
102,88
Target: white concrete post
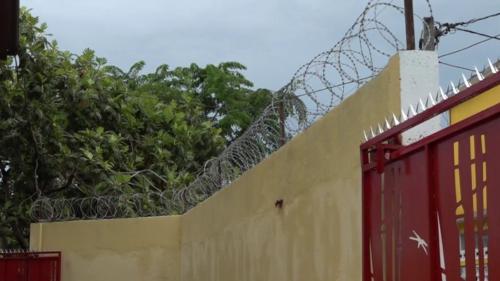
419,74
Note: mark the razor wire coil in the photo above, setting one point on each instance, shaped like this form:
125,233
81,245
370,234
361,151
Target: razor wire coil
315,88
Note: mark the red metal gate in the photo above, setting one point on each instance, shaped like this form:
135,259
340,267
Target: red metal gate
431,210
30,266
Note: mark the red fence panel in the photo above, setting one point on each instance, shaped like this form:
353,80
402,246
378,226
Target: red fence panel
399,232
30,266
431,210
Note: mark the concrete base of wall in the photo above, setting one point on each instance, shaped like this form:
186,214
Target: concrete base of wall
118,249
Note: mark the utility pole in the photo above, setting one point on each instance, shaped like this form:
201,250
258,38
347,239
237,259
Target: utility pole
9,28
410,28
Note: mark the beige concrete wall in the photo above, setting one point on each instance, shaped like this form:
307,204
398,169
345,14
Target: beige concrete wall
238,233
109,250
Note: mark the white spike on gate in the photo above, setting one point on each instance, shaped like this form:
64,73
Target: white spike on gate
404,117
431,98
422,105
412,110
442,94
492,67
395,119
455,90
466,81
479,76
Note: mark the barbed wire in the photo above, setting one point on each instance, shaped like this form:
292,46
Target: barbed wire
104,207
315,88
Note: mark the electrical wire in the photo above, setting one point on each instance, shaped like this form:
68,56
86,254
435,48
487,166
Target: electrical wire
468,46
478,19
445,28
455,66
477,33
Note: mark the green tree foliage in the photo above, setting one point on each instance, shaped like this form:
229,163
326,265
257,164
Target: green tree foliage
73,126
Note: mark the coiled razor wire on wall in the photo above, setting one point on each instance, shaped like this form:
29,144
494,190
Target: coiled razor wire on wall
316,87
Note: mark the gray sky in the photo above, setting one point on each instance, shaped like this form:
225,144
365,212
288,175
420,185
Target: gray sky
271,37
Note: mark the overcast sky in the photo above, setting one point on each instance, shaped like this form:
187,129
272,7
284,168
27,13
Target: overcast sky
271,37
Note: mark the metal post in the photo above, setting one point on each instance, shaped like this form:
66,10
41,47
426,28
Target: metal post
410,28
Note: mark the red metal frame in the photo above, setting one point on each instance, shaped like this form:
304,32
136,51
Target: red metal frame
410,192
30,266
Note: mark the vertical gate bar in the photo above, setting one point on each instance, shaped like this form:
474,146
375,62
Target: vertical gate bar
468,217
433,211
25,268
374,249
480,220
28,264
493,204
59,260
2,268
397,219
388,198
364,226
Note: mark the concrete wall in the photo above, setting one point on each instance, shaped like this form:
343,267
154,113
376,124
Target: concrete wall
119,249
238,233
